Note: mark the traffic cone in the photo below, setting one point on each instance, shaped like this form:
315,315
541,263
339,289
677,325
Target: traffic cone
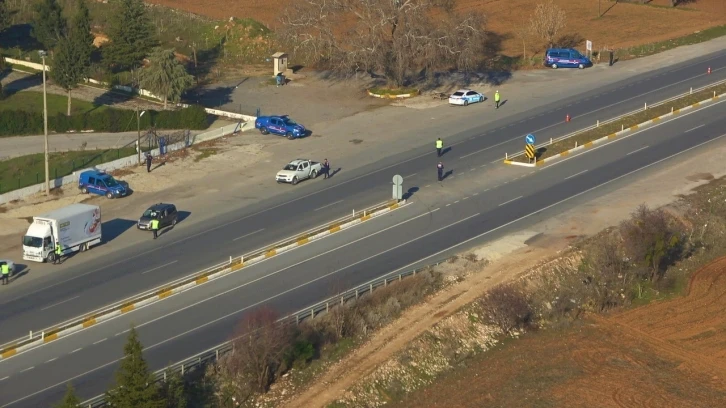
709,70
567,118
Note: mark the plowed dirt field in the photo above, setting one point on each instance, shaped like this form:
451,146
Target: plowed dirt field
667,354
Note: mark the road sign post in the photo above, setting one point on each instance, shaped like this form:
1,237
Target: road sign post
529,152
397,187
530,139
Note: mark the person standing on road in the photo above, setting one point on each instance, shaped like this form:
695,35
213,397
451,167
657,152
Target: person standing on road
148,162
326,168
440,170
439,146
5,269
155,227
58,253
497,99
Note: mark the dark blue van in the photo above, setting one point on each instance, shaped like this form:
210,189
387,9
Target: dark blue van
565,58
98,182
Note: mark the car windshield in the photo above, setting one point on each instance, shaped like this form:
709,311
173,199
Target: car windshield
150,214
289,122
290,167
34,242
458,94
110,182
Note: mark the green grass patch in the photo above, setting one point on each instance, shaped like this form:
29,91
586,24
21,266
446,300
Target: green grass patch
28,170
393,91
582,138
204,153
31,101
657,47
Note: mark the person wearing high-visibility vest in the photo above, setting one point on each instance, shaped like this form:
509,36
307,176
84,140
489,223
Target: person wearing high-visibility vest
58,253
439,146
155,227
497,99
5,268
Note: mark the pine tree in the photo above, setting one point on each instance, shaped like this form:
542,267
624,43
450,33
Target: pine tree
70,400
165,76
4,16
131,36
135,387
81,34
49,25
173,391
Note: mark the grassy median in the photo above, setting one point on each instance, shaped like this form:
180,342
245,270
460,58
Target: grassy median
607,129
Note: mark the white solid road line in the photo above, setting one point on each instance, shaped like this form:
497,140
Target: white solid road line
159,267
575,175
552,205
328,205
507,202
247,235
637,150
59,303
697,127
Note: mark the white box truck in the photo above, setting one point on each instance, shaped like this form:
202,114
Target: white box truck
76,227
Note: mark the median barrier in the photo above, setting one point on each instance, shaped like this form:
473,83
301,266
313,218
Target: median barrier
234,264
509,158
309,312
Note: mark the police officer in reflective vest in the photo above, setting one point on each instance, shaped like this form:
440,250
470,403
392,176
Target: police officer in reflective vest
439,146
5,268
497,98
155,227
440,169
58,253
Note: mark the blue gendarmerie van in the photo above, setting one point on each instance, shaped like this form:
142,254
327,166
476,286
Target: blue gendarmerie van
101,183
565,58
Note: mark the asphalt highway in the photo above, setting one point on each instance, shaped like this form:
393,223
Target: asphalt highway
444,217
86,283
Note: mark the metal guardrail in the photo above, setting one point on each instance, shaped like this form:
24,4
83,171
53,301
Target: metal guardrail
310,312
615,119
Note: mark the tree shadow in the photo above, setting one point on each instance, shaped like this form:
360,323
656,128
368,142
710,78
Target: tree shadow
22,84
20,37
209,57
211,97
111,97
572,40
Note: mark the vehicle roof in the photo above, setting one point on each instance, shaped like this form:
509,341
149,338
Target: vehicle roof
160,206
465,90
68,211
560,49
94,173
274,116
298,161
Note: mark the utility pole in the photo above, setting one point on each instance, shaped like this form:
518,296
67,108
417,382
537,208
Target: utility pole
45,126
138,137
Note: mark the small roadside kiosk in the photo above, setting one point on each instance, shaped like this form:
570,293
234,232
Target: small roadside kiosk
279,67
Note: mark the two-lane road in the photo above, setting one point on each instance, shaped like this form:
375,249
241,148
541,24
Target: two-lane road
458,213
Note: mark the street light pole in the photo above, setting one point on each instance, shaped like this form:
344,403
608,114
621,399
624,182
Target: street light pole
138,136
45,126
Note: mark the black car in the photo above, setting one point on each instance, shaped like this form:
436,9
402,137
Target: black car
165,213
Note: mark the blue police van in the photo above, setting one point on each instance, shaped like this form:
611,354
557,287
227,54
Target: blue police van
565,58
100,183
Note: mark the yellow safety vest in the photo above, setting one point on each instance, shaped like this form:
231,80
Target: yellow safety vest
154,224
6,269
58,249
496,97
439,144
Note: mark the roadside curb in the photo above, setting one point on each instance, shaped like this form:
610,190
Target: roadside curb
611,136
401,96
154,295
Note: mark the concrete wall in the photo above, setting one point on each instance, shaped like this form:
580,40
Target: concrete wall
123,162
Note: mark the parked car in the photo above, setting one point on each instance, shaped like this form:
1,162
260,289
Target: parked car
298,170
565,58
465,97
101,183
280,125
165,213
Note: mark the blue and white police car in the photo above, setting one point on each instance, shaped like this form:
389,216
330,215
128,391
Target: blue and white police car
464,97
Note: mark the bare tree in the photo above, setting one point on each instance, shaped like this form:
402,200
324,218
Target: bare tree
607,274
651,239
508,307
392,37
258,350
547,20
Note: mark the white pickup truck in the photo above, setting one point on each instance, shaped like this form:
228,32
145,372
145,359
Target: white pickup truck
298,170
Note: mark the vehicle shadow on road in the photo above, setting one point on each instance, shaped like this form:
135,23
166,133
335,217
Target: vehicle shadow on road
20,271
181,216
114,228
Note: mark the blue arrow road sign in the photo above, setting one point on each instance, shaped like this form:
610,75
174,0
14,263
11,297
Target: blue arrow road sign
529,139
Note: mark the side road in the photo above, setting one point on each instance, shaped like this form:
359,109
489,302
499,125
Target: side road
653,188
